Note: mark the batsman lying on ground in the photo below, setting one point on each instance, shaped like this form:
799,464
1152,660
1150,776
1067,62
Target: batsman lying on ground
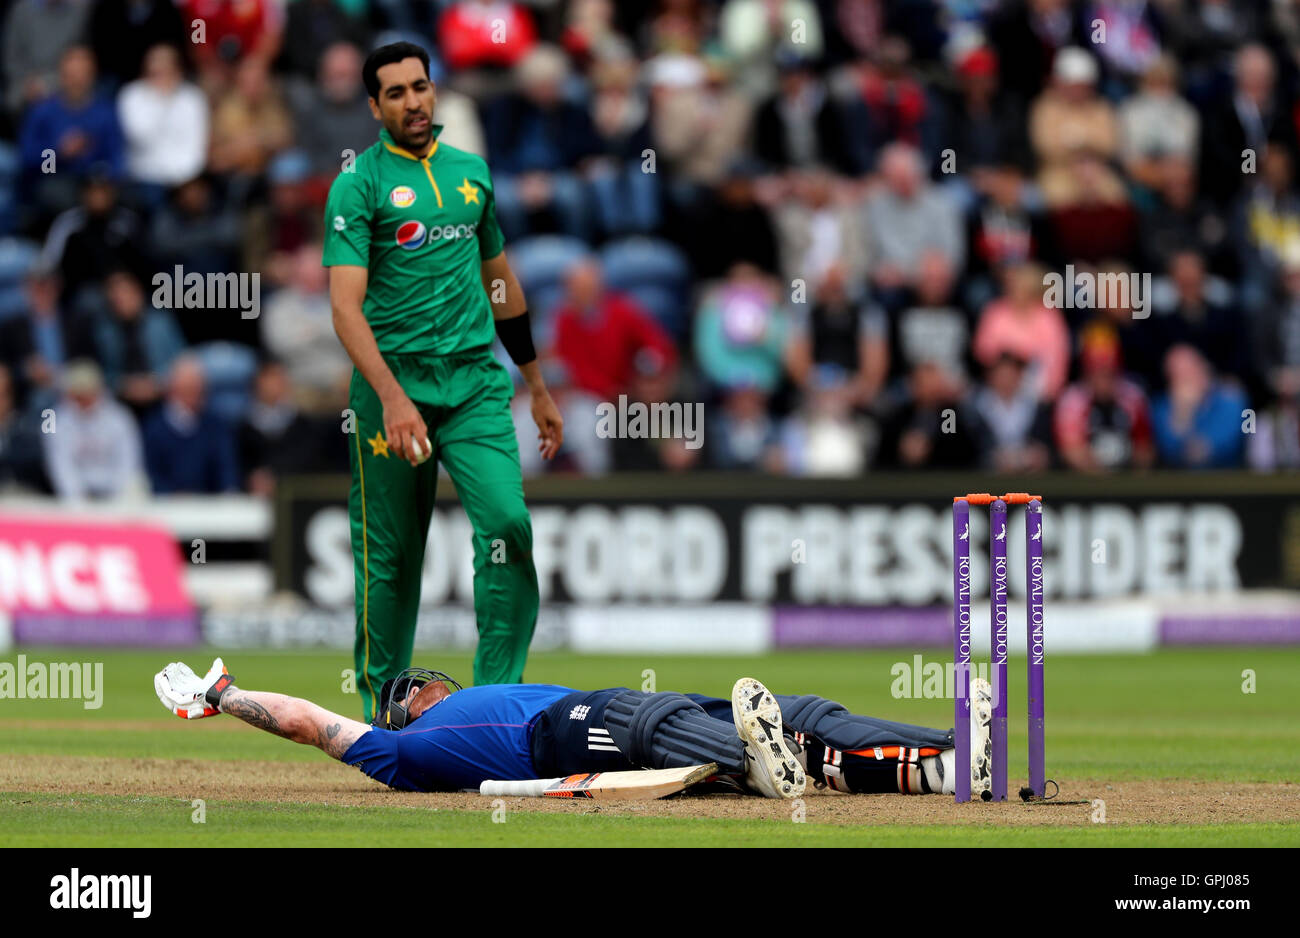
432,735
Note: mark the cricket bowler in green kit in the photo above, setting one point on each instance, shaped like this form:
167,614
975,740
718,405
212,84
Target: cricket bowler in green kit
420,286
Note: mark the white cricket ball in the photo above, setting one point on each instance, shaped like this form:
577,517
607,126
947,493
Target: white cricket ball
422,452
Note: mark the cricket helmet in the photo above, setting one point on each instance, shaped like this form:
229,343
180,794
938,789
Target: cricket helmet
393,713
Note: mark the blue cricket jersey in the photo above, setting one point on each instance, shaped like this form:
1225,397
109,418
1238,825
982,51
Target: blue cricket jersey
475,734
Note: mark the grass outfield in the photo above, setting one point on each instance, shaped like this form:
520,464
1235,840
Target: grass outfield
1178,715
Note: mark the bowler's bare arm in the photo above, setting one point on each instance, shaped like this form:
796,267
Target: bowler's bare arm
402,421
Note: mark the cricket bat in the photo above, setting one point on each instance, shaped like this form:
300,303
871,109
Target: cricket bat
637,785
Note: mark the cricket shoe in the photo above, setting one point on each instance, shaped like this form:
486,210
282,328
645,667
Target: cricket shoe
941,771
771,769
981,741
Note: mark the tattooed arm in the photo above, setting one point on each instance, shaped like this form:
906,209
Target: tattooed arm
293,718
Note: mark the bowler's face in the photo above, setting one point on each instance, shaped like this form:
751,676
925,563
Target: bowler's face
405,103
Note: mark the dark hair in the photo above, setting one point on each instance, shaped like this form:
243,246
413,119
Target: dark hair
387,55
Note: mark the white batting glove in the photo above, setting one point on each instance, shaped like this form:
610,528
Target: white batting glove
186,694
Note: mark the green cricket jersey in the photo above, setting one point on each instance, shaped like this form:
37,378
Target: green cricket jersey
421,227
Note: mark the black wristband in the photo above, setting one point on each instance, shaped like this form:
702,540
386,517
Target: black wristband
213,696
516,334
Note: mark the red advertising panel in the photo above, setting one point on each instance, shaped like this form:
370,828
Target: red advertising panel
93,582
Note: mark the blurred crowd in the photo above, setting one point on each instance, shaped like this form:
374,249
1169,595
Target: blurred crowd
830,221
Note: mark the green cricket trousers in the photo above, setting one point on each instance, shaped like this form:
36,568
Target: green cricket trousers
464,399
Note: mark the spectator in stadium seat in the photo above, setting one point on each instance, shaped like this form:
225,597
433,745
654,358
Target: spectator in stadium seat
1204,34
756,33
536,138
330,111
1266,226
136,342
932,425
683,25
79,125
1103,422
313,27
234,33
699,121
800,124
743,436
36,34
590,32
818,225
1027,35
907,218
250,121
933,327
1126,37
984,128
100,235
276,439
275,228
1019,322
1182,219
297,328
726,225
94,451
887,105
1157,125
1005,226
1069,120
654,381
1198,421
740,331
187,448
1278,340
21,466
838,345
1016,429
197,229
165,121
1203,315
599,334
122,31
825,436
1253,115
32,346
485,33
626,196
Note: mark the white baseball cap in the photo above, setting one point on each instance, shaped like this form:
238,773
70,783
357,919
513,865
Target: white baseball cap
1075,66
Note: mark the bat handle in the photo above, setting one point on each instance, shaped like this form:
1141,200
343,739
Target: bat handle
525,788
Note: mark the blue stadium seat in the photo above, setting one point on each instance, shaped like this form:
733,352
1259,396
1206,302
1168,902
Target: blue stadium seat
229,369
17,255
540,262
656,273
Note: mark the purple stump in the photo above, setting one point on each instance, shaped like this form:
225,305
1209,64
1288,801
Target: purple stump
998,642
1034,636
961,645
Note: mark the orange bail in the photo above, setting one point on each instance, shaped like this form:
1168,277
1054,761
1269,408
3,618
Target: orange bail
1021,498
976,498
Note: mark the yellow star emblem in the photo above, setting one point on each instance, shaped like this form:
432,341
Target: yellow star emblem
469,191
378,446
